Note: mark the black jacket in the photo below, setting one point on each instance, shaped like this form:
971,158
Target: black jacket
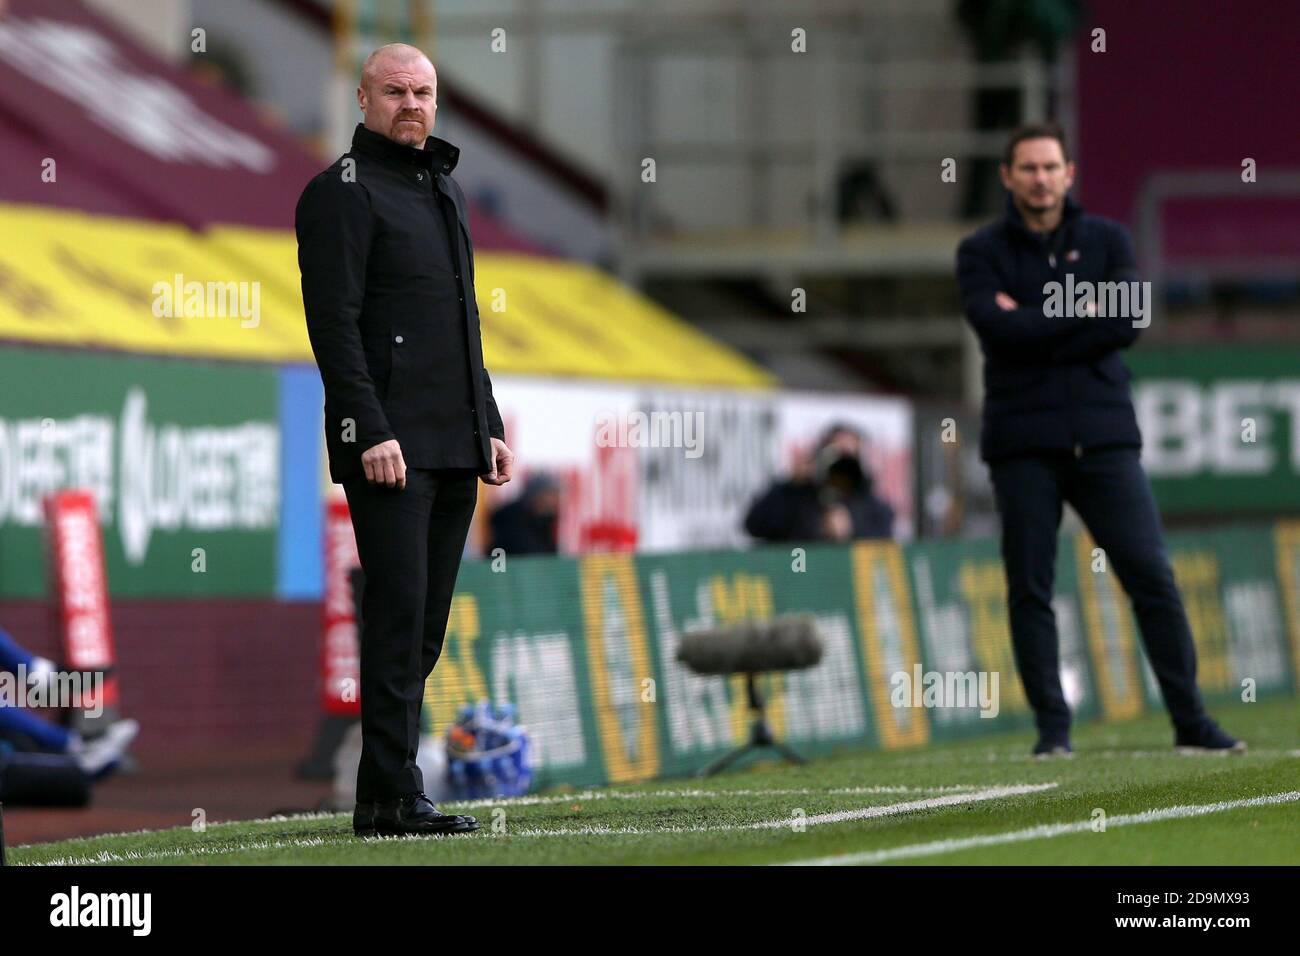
387,287
1051,384
518,529
793,510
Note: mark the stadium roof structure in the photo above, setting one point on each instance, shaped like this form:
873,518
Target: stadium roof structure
129,180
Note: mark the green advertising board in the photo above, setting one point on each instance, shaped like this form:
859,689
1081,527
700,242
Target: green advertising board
183,458
586,647
1220,427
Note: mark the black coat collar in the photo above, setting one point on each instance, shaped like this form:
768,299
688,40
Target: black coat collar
1016,222
437,154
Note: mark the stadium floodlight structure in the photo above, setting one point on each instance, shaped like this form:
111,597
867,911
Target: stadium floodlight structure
785,643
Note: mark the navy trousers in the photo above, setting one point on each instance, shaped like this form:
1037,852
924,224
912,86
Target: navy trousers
1111,493
410,543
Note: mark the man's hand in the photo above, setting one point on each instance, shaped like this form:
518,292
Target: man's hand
1005,302
384,464
503,463
837,523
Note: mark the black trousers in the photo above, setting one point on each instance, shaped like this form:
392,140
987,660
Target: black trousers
410,543
1111,493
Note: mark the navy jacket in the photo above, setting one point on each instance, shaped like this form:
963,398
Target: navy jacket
388,291
1051,384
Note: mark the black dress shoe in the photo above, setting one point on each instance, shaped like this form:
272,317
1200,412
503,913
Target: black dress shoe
363,820
414,814
1208,737
1048,747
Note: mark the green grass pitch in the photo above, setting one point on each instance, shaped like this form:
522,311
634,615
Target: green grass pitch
975,802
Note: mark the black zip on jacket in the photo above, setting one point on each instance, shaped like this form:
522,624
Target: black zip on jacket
388,291
1051,383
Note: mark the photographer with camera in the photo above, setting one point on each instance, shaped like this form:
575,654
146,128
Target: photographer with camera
829,498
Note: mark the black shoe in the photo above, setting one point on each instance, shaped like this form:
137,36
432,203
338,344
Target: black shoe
415,814
1052,747
1208,738
363,820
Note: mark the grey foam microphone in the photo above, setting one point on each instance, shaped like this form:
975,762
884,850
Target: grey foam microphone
786,643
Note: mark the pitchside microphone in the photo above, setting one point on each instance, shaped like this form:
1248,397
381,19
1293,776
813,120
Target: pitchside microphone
787,643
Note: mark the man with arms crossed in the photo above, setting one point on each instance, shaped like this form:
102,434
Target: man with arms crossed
1059,425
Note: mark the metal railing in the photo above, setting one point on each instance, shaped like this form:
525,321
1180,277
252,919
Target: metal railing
1226,183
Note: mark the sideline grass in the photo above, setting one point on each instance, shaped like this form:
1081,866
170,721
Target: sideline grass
865,803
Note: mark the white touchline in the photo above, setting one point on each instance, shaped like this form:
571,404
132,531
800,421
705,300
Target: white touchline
133,856
781,823
590,795
787,822
1042,832
890,809
583,796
